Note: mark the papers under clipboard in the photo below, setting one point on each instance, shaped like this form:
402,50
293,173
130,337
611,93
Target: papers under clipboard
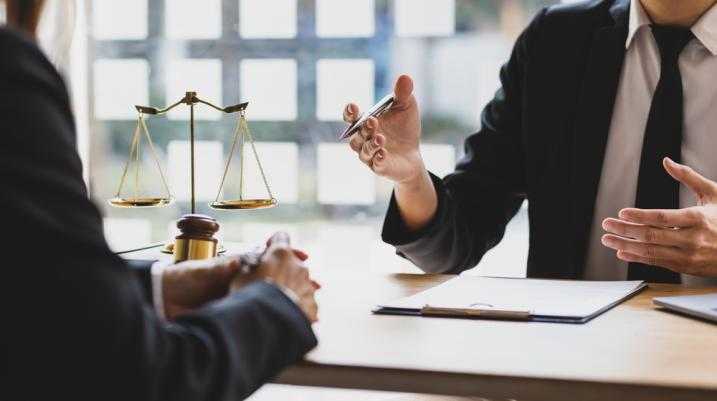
560,301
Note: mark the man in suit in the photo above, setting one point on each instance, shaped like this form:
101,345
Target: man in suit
77,322
599,102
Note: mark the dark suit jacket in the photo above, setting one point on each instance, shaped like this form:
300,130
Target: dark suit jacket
75,321
543,138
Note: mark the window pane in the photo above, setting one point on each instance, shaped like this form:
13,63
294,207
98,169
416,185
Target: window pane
267,18
425,17
340,82
270,88
343,179
345,18
193,19
280,161
119,85
439,159
114,20
208,169
201,76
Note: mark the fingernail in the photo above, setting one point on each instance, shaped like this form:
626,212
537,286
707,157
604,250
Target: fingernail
375,142
606,240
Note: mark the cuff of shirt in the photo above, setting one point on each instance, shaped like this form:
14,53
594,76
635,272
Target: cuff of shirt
157,296
395,231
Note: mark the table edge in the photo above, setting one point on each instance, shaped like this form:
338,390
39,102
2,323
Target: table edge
482,385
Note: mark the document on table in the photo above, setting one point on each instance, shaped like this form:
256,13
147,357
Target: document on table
516,299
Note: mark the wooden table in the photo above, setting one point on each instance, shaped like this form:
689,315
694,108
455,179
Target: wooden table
633,352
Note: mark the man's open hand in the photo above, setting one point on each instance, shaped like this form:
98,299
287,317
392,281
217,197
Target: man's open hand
682,240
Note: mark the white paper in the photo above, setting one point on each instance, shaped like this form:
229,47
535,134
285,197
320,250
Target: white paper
555,298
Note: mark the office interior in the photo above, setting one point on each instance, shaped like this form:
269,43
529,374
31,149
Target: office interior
296,63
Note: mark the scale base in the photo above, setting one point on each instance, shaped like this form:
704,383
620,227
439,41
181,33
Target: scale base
168,248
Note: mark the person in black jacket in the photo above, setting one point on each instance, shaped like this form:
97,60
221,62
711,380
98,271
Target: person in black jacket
565,132
77,322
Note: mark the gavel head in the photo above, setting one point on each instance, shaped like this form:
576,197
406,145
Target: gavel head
196,239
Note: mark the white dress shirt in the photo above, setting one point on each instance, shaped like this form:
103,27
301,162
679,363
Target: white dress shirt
640,75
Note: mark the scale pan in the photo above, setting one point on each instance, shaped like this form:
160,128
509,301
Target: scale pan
140,202
244,204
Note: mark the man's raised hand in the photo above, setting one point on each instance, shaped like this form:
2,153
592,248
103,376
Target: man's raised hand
389,145
682,240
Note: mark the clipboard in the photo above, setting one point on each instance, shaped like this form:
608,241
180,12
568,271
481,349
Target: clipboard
477,312
552,301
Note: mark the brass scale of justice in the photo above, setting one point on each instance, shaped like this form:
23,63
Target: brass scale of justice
196,239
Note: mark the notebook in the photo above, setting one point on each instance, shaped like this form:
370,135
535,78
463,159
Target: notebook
561,301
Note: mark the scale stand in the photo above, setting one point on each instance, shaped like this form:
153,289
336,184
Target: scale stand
196,239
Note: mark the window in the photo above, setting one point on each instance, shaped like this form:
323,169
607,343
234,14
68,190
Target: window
345,18
296,63
132,13
191,19
425,17
114,98
270,86
339,81
267,19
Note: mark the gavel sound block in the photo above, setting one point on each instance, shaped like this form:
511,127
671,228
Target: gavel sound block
196,239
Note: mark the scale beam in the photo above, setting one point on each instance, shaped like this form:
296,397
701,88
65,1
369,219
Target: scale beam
191,99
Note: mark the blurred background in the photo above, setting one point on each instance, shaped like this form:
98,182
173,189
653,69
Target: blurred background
297,62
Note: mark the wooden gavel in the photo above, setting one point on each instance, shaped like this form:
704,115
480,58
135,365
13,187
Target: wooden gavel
196,239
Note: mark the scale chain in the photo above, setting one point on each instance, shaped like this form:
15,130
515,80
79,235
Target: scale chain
229,160
132,146
245,126
156,158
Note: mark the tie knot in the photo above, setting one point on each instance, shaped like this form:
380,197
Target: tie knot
671,40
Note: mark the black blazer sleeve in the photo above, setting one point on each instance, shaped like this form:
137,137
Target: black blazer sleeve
142,270
76,323
476,202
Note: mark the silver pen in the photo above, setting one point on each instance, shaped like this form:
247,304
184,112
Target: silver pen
377,110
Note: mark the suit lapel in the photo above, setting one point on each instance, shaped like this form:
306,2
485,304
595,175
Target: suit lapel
592,124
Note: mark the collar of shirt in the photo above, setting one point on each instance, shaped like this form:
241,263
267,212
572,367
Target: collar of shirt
705,29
